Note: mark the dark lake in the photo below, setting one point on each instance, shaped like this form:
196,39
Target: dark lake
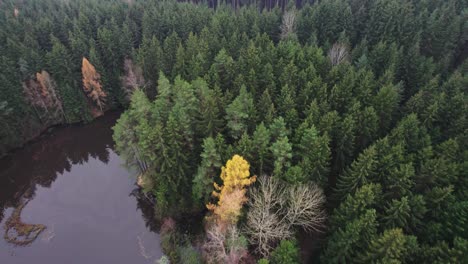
71,182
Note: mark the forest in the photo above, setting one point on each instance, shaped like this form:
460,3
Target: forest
342,119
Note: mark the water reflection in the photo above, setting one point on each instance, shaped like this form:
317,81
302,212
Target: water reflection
72,182
39,163
19,233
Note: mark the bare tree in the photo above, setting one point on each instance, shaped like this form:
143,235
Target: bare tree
276,209
338,54
264,225
133,78
288,27
224,245
305,207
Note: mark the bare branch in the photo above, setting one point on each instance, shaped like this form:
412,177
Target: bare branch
338,53
264,226
288,27
305,207
276,209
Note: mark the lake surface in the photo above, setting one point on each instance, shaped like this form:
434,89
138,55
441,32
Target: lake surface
72,182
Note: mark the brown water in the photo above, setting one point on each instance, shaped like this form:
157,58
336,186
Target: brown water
72,182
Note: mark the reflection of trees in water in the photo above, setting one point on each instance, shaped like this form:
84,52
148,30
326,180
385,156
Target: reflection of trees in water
146,206
19,233
42,161
187,224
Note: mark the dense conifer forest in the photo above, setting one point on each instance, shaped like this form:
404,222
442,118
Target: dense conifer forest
342,119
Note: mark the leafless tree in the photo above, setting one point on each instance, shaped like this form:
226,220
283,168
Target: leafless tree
288,27
338,54
223,245
275,209
133,78
264,225
305,207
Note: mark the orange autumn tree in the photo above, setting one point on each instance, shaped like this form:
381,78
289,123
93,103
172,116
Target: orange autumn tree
41,94
47,90
231,194
92,84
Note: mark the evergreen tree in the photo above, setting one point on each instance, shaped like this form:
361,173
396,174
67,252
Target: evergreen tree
261,142
149,57
359,173
281,152
287,252
240,114
346,243
391,247
266,108
314,152
207,171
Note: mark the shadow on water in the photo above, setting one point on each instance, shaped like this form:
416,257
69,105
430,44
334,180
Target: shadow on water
54,153
71,185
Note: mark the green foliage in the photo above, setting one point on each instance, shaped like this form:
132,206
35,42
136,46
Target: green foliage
350,240
315,155
358,174
209,168
391,247
286,252
189,255
240,114
281,151
385,133
356,204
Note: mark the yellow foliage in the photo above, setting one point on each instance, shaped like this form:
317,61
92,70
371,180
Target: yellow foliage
230,205
235,176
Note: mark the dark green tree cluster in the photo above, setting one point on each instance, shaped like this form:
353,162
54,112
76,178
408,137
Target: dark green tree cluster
365,98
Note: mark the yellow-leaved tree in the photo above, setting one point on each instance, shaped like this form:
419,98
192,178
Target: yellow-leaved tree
231,195
224,243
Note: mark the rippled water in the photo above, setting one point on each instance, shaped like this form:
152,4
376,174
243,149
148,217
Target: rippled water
72,182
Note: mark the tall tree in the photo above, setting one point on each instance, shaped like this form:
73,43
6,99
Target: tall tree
92,84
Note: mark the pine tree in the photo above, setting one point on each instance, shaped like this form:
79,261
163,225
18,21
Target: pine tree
240,114
261,142
61,68
287,106
266,108
315,155
287,252
278,129
149,57
366,197
222,71
397,214
169,55
245,147
281,150
385,103
391,247
359,173
209,121
207,171
346,243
